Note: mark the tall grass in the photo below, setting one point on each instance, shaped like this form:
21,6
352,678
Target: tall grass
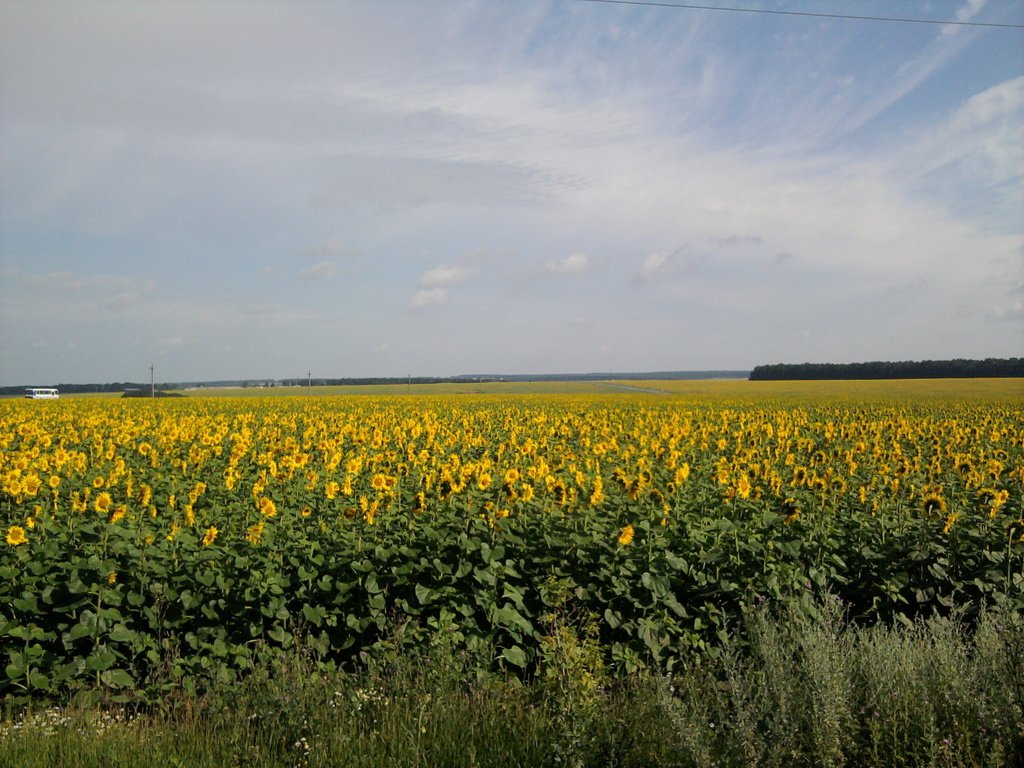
786,690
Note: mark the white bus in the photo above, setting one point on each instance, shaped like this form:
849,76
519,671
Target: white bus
42,393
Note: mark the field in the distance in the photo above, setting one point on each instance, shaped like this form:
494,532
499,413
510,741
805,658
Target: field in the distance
700,388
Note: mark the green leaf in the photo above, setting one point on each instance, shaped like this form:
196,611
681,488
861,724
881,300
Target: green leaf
314,614
121,634
26,604
515,656
371,584
101,659
508,616
279,634
39,681
424,594
117,678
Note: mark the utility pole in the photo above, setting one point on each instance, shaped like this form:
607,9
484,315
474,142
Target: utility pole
410,384
152,381
309,389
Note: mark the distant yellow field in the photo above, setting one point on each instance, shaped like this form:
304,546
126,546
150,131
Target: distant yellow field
895,389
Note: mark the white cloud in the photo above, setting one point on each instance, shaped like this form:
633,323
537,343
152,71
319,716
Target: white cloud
656,264
434,285
429,297
97,286
983,137
330,250
735,240
444,276
322,270
968,11
573,264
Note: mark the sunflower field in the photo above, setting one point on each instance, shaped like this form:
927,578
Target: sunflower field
149,544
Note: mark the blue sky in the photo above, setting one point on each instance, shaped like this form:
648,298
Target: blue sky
233,190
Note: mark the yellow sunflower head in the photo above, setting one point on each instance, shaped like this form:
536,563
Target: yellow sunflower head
933,505
626,535
16,535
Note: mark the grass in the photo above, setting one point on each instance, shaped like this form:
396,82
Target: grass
787,690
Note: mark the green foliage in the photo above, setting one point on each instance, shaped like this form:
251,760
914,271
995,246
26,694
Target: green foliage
789,689
173,611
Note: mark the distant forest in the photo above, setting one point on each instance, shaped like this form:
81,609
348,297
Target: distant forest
927,369
75,389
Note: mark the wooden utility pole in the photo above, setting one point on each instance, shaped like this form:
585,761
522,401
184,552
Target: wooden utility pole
152,381
309,387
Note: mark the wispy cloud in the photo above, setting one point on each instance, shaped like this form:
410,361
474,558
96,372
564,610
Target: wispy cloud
429,297
657,264
322,270
331,249
966,12
574,264
982,137
444,276
734,240
434,285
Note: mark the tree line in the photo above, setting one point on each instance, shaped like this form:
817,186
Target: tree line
77,389
995,368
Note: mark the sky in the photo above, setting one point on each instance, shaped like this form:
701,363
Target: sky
235,190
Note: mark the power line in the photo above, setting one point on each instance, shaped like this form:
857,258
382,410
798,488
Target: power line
690,6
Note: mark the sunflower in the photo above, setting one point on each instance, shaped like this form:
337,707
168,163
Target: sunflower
16,535
255,532
526,493
267,507
210,536
933,505
950,522
791,510
626,535
102,503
